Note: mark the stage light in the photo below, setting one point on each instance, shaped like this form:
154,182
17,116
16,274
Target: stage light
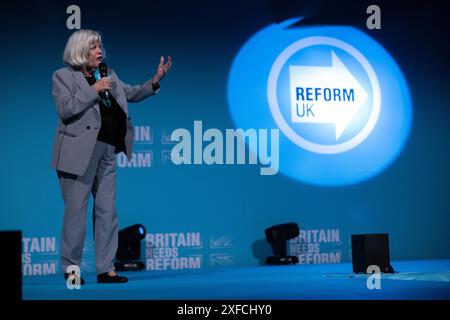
277,237
129,249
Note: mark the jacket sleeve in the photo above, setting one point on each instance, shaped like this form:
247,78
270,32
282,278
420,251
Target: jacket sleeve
138,92
70,104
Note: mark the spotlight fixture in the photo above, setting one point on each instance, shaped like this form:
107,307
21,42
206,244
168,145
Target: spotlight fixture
129,249
277,237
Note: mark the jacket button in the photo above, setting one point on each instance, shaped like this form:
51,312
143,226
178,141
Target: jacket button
88,127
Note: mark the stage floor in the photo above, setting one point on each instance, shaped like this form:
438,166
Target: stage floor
414,280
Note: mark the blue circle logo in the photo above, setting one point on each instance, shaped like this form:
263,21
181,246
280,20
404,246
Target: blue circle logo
337,96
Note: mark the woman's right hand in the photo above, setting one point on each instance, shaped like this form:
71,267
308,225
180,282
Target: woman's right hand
103,84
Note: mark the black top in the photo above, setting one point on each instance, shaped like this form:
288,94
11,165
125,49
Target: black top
113,127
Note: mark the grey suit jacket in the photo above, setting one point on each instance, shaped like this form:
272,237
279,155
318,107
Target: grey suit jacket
79,118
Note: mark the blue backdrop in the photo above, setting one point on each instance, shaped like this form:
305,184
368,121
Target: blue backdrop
200,216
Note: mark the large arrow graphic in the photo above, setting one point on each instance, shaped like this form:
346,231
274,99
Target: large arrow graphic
325,94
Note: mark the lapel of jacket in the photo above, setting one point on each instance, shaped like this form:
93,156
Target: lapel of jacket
115,92
118,94
84,85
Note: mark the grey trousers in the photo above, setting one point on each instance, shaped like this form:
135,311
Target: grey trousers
100,180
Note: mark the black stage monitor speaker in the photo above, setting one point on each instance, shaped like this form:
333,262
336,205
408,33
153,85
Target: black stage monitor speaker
371,249
11,264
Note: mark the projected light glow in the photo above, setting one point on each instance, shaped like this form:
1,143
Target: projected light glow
337,96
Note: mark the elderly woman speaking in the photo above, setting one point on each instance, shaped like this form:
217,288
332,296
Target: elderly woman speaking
93,126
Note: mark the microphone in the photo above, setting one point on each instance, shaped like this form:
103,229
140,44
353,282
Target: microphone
103,73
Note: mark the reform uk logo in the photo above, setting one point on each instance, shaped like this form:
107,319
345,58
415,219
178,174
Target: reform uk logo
339,99
321,95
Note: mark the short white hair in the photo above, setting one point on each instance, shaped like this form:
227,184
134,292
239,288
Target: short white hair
78,45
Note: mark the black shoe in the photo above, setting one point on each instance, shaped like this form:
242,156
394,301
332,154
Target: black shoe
66,275
105,278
